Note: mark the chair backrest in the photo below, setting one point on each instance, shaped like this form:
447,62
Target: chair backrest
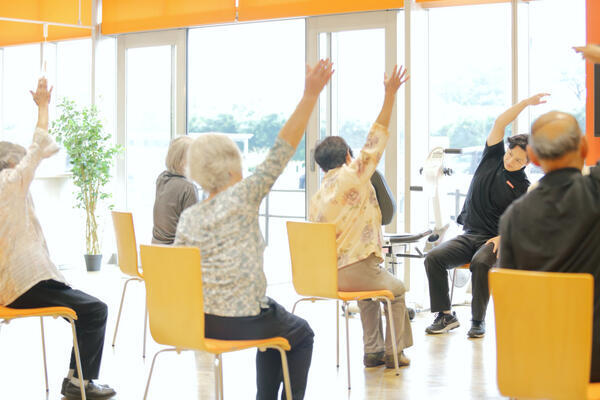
314,258
126,244
173,278
543,333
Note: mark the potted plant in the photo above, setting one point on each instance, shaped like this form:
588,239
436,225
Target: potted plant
90,152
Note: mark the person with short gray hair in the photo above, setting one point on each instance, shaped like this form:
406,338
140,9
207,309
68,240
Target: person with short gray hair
174,192
225,228
556,226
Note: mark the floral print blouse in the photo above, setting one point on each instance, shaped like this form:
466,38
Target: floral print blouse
347,199
226,230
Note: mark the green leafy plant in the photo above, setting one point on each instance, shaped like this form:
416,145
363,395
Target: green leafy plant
90,151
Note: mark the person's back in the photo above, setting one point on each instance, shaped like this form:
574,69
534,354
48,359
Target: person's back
556,226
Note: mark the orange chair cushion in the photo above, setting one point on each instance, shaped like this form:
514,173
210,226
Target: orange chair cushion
464,266
12,313
594,391
216,346
347,296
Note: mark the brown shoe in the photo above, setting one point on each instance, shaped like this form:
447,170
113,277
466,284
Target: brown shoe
373,359
403,361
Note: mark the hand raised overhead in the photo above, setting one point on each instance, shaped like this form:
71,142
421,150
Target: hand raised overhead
397,79
42,95
317,77
536,99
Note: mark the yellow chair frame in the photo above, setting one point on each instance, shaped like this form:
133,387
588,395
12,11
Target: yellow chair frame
315,275
128,262
554,364
8,314
173,277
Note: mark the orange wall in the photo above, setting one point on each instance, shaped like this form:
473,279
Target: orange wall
593,36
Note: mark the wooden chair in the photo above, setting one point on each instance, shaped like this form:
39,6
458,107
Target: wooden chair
173,277
315,275
128,262
543,334
8,314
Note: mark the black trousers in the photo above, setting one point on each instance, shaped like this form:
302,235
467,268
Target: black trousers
466,248
90,323
271,322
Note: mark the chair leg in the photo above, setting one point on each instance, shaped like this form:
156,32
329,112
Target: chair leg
286,374
121,309
337,333
313,299
221,391
347,342
77,359
217,377
44,353
452,288
145,329
152,369
393,332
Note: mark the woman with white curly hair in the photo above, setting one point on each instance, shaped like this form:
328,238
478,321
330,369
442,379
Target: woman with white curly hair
225,228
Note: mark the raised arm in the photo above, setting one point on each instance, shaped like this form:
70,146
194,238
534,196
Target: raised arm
591,52
392,84
316,78
364,165
41,97
497,133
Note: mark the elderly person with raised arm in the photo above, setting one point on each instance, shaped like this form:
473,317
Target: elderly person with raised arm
28,278
174,192
225,228
348,200
556,226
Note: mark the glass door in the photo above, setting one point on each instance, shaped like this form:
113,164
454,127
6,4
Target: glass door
150,112
362,47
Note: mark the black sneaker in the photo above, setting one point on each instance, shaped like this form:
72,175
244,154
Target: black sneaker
373,359
92,391
443,323
477,329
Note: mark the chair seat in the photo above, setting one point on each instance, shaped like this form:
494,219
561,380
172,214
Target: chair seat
217,346
395,238
347,296
594,391
464,266
12,313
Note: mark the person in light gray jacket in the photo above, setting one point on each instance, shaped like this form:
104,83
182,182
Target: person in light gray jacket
174,192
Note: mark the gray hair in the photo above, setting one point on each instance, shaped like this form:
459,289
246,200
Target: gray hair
176,156
10,154
551,146
211,158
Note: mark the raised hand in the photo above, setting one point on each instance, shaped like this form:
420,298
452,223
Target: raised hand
317,77
591,52
536,99
397,79
42,95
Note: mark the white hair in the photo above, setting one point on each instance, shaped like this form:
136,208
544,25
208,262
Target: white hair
176,156
211,159
10,154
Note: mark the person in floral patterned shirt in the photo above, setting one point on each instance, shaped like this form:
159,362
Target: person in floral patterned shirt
347,199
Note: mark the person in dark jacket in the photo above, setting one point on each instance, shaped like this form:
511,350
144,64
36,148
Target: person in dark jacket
174,192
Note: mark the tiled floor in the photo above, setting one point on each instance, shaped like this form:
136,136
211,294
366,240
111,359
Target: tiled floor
443,367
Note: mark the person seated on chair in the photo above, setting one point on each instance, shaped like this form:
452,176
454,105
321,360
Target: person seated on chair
498,180
348,200
225,228
556,226
174,192
28,278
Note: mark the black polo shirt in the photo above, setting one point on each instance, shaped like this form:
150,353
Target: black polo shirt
492,190
556,228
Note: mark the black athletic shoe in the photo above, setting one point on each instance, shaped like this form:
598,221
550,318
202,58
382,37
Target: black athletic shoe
92,391
443,323
411,313
477,329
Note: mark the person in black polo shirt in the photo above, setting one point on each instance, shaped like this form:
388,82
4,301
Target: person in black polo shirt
556,226
497,182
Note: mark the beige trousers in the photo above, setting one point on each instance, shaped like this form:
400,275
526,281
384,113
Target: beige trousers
368,275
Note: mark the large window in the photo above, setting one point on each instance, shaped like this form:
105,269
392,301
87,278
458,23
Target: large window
245,81
470,85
